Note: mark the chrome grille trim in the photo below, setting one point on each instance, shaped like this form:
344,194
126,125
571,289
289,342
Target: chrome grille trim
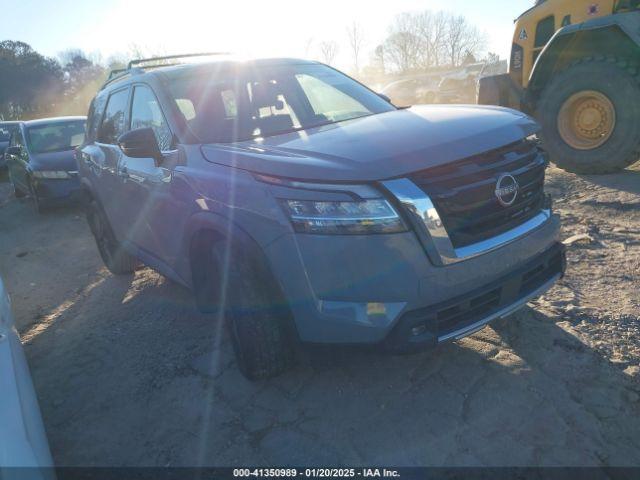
423,213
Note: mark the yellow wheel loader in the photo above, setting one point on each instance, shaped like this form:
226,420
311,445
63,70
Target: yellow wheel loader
575,66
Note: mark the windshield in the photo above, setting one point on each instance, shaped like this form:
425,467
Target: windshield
267,101
55,137
6,131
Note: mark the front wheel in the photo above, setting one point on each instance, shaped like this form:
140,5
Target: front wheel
35,199
115,258
590,116
238,284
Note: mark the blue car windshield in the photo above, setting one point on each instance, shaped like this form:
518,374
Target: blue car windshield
55,137
227,106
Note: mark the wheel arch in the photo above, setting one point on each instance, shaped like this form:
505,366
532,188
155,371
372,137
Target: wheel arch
207,227
608,36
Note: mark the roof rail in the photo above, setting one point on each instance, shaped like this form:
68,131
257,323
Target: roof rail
118,73
160,60
137,66
115,72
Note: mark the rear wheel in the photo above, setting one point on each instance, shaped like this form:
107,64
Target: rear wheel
590,119
115,258
237,283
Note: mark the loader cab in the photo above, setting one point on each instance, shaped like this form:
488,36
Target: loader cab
535,27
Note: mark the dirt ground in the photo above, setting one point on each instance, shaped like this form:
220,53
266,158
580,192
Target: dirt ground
128,373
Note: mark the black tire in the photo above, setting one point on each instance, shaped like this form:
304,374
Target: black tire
35,199
115,258
619,81
259,322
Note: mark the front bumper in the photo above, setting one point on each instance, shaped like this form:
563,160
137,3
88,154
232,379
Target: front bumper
58,189
355,289
465,314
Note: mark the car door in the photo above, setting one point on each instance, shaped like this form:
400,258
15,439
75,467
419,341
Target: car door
103,157
18,164
155,215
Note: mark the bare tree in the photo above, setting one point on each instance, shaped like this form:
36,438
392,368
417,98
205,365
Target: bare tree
462,40
433,30
427,39
404,45
376,65
329,50
356,43
307,47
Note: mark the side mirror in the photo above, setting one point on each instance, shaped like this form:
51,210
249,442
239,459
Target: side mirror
13,150
384,97
140,143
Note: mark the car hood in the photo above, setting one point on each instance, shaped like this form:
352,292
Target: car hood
379,146
64,160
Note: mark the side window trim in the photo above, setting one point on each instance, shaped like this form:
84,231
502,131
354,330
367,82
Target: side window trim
164,116
104,111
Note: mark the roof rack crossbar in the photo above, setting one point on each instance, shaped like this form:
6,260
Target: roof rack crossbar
140,61
136,66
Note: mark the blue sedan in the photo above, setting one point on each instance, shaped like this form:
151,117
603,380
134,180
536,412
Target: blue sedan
41,159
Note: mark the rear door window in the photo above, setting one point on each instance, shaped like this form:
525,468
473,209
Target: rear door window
113,124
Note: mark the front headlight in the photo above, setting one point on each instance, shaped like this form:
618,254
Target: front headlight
50,174
331,217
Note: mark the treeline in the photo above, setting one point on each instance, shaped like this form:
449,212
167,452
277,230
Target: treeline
32,85
415,42
420,41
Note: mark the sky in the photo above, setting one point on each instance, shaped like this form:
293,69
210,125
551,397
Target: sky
242,27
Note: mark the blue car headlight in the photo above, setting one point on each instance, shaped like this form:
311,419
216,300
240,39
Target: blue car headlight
50,174
340,217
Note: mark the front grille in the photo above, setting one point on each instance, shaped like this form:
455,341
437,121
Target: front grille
464,192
